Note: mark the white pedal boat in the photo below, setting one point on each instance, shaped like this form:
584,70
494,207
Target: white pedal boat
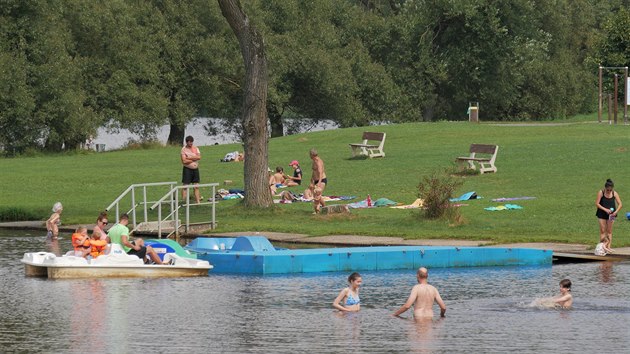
116,264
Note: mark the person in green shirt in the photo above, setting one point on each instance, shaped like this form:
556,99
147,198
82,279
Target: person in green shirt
119,234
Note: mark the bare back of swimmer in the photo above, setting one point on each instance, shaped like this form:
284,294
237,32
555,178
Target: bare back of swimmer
422,298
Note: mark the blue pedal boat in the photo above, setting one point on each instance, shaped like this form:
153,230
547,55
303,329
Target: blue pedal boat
256,255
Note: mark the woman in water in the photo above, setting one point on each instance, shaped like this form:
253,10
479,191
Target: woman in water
348,298
608,204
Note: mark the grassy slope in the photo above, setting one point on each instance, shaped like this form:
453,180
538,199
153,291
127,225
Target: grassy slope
563,166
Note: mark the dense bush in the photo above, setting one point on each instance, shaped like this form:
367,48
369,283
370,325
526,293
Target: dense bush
436,190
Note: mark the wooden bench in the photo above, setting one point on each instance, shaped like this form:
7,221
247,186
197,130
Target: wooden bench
485,162
370,150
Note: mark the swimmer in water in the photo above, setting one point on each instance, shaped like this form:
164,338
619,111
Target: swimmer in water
422,297
348,299
563,300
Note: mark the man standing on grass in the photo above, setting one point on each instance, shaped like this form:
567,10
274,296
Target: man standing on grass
190,174
318,181
422,298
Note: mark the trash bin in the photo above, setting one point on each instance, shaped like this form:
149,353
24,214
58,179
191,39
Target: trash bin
473,112
99,147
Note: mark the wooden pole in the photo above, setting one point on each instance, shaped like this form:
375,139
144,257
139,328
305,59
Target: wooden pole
599,112
609,108
616,95
625,96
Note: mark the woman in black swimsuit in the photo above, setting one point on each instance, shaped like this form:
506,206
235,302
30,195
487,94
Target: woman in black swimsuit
608,204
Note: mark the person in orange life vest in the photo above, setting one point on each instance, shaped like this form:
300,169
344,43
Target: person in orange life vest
81,242
98,246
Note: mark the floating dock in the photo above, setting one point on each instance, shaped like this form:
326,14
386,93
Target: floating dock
564,257
256,255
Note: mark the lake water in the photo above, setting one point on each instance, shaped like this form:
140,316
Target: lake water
197,129
488,311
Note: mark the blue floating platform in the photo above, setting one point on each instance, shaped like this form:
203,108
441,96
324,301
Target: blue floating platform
256,255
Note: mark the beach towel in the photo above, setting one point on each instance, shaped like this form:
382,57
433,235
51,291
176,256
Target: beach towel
510,199
334,198
466,196
419,203
359,205
504,207
380,202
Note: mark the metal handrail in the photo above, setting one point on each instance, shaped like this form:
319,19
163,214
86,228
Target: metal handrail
132,188
173,197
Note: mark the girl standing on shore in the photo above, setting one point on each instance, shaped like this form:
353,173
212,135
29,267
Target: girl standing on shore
608,204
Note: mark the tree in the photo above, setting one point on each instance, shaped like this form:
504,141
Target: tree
254,114
45,103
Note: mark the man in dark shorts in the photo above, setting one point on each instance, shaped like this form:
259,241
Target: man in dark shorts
318,181
190,155
119,234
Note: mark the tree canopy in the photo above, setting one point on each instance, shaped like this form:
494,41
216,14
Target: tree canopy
72,66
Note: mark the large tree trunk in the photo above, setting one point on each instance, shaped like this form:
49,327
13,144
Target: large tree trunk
254,119
176,133
275,120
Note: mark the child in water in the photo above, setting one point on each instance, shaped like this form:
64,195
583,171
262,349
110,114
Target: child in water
564,300
52,224
349,297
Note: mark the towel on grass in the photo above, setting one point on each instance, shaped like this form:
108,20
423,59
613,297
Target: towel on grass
383,202
510,199
419,203
504,207
466,196
376,203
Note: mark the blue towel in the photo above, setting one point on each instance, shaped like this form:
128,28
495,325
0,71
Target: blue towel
466,196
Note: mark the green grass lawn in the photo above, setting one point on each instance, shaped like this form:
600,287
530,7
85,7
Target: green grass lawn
563,166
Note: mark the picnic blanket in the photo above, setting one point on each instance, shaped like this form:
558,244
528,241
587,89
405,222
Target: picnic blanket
504,207
376,203
419,203
300,198
465,196
510,199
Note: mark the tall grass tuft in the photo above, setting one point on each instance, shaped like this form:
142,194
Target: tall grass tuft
18,214
436,190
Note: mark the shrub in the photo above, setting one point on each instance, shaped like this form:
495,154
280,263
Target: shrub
436,190
17,214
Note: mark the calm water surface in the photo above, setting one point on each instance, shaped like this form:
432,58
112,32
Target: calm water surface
488,311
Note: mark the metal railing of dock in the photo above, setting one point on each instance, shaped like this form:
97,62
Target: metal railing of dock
171,198
132,189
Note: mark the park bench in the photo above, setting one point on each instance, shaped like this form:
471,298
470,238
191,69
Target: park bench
374,149
485,162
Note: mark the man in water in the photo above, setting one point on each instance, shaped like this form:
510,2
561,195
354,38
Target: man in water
422,298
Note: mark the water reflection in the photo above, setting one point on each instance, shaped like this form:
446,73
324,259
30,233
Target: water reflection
487,311
606,272
423,333
52,246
